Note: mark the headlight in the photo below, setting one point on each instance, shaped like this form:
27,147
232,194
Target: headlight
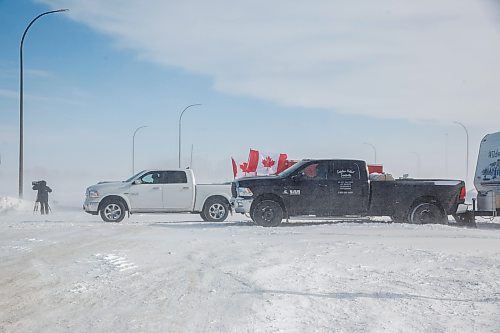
244,192
93,194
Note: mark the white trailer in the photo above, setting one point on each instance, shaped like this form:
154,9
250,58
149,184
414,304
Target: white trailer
487,177
486,182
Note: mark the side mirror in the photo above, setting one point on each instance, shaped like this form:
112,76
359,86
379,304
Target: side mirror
137,182
297,176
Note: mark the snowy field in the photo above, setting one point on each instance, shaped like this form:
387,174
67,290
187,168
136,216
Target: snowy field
70,272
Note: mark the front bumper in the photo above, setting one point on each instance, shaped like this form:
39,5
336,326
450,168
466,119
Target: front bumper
91,206
241,205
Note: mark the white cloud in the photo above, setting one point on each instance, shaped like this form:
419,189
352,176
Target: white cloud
389,58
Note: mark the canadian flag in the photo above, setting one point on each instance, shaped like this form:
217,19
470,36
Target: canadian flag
260,164
240,168
270,163
253,160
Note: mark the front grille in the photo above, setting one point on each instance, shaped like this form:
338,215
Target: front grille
233,190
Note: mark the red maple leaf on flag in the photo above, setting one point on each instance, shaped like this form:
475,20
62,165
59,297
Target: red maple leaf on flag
244,167
268,162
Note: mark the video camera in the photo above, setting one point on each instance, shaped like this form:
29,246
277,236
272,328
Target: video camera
36,184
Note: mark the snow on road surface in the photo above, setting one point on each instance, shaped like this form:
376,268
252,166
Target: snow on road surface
71,272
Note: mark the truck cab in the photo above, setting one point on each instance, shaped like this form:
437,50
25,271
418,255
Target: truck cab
326,187
170,190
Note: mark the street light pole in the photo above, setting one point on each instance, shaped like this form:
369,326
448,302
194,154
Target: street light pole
191,160
374,150
133,148
21,165
446,154
180,118
418,163
467,151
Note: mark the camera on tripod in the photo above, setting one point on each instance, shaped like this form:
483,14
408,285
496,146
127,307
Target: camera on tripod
42,196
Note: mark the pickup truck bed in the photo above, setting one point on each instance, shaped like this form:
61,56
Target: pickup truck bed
394,198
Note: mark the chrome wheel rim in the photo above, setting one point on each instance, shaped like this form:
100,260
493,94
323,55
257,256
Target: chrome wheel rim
112,212
216,211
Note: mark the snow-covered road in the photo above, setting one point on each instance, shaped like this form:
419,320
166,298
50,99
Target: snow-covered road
70,272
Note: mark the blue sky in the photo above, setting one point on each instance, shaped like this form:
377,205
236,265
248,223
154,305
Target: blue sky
310,81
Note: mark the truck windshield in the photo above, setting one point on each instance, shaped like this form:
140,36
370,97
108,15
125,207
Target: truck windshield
133,177
292,169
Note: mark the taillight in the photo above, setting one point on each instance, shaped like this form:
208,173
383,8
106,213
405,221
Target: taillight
461,197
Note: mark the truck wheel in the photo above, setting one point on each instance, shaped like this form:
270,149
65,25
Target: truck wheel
203,217
427,212
215,210
113,211
267,213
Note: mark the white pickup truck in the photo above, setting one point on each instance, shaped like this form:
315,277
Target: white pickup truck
158,191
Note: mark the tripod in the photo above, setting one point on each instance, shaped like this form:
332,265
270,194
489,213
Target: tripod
35,208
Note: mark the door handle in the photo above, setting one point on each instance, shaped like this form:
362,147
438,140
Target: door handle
322,185
156,188
185,187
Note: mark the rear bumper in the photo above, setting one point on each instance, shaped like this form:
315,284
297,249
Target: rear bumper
461,209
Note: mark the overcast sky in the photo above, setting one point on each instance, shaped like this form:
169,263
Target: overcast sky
307,78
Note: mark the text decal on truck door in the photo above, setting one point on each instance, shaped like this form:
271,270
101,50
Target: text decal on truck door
292,192
345,182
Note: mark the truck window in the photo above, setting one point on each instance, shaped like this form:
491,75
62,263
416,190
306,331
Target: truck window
315,171
176,177
154,177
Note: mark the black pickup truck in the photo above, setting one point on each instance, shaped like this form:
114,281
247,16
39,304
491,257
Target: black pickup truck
343,188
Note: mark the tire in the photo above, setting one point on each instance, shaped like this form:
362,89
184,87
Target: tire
113,211
267,213
203,217
215,210
427,212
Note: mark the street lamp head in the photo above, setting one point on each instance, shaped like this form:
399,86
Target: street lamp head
374,150
138,128
60,10
187,107
460,124
57,11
